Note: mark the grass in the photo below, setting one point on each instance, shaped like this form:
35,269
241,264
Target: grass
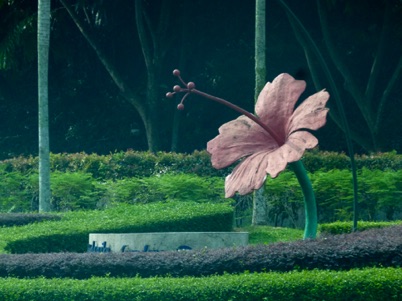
268,235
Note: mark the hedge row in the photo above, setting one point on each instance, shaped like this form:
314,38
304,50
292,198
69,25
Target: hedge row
70,234
120,165
20,219
358,285
345,227
143,164
371,248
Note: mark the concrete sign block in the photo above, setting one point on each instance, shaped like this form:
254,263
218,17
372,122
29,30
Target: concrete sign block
164,241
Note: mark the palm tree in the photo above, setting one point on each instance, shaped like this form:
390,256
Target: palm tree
260,209
43,64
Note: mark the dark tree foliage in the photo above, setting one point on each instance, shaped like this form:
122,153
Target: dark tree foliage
211,42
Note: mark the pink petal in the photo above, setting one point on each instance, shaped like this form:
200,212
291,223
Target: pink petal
291,151
311,114
276,102
248,175
302,140
280,158
237,139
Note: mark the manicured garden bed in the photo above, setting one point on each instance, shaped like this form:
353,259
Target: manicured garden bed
71,233
356,285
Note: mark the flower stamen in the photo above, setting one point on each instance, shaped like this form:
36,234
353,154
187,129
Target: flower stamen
190,88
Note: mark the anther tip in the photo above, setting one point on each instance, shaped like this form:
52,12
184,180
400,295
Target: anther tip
176,72
180,106
190,85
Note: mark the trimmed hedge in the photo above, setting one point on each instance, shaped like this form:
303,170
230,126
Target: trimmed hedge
357,285
143,164
120,165
371,248
20,219
71,233
345,227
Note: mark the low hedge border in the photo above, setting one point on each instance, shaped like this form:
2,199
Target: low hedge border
70,234
142,164
368,284
371,248
342,227
20,219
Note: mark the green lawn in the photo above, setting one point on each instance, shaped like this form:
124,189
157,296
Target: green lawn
267,234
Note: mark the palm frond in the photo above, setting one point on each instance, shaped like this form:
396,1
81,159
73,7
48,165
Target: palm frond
16,45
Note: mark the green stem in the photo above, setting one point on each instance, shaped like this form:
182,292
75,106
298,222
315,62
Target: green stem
338,102
310,207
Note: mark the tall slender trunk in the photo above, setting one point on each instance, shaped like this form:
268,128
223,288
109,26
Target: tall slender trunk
260,206
43,64
152,123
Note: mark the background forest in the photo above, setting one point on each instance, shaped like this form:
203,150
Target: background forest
111,65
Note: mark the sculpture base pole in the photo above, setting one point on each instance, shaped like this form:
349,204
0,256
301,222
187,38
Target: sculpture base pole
310,206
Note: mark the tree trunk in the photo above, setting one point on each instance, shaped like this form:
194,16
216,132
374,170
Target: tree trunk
43,64
152,123
260,206
153,50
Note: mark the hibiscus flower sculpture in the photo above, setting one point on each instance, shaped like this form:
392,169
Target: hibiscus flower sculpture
268,150
266,142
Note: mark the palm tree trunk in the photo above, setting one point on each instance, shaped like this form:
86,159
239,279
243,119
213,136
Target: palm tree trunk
43,64
260,208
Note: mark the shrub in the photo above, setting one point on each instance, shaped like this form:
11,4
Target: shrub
129,190
334,194
325,161
379,192
148,177
144,164
19,219
69,190
189,188
376,247
346,226
72,191
382,161
316,160
183,187
14,192
357,285
71,233
284,198
79,190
